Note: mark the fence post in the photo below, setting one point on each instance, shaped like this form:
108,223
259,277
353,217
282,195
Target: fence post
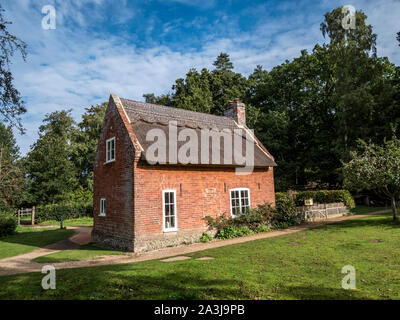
19,216
33,216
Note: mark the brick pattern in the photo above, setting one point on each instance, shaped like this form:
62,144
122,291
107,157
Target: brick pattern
205,191
237,111
114,181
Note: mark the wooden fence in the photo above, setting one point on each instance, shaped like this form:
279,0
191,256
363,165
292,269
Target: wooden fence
24,212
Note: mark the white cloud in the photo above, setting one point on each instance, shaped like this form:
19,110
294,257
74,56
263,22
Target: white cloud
71,68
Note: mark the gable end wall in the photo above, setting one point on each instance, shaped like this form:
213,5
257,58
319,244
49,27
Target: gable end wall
114,181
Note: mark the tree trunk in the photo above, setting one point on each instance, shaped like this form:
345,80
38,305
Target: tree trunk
394,209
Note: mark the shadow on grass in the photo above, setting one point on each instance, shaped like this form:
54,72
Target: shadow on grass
385,221
38,238
123,282
321,293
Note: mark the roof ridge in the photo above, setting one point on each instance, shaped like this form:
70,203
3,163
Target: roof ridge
175,108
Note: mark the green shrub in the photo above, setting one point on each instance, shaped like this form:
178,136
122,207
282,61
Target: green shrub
229,232
262,228
246,231
285,224
285,207
205,237
325,196
263,214
8,224
67,211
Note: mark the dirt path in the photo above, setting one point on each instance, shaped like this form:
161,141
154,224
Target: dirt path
23,263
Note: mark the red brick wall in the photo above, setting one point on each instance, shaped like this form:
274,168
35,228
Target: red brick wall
202,194
114,181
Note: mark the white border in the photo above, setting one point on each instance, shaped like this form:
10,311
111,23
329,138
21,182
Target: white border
102,214
115,150
176,211
240,198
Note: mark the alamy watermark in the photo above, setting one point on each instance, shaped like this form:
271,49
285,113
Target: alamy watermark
190,146
49,20
49,280
349,280
349,19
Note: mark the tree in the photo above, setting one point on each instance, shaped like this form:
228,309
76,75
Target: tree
376,168
11,181
193,92
8,142
84,144
11,104
49,166
223,62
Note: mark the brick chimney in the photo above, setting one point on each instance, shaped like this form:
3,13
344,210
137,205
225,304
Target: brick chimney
237,111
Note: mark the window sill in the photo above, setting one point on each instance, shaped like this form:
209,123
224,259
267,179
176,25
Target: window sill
102,215
111,161
170,230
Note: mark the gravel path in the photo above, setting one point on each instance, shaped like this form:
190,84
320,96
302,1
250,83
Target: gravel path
23,263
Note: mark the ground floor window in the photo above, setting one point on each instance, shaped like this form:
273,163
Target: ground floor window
240,201
170,222
102,207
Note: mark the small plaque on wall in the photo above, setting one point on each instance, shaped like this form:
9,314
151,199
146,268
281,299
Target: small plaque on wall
308,202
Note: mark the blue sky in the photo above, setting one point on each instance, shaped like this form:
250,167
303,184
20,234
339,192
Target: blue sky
134,47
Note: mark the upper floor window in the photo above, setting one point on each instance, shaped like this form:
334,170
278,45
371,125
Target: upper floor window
110,150
169,211
240,201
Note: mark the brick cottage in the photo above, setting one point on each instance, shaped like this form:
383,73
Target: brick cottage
141,204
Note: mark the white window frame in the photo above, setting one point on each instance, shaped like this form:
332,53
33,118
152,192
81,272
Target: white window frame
103,210
108,151
240,199
165,229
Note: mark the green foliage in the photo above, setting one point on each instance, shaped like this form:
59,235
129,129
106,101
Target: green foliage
85,138
255,220
11,103
8,224
67,211
325,196
205,237
262,228
285,224
50,171
376,168
11,175
285,206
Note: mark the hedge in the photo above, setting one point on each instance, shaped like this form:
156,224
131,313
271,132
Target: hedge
325,196
67,211
8,224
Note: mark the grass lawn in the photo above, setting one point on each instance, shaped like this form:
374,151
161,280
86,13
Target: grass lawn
85,221
85,252
305,265
360,209
28,239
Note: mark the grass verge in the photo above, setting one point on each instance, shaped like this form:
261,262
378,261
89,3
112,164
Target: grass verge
85,252
303,265
28,239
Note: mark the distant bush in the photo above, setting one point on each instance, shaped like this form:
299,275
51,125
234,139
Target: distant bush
285,207
325,196
67,211
8,224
